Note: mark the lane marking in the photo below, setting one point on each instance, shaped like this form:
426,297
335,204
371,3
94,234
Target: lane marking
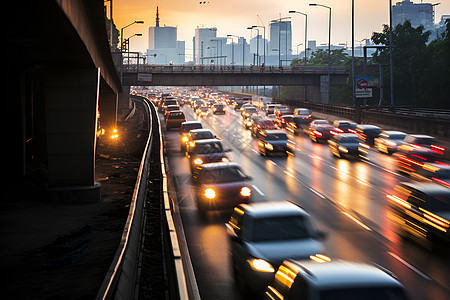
357,221
317,193
258,190
408,265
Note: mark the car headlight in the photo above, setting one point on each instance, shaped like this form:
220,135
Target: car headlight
269,146
209,193
198,161
224,159
364,145
261,265
184,139
246,192
343,149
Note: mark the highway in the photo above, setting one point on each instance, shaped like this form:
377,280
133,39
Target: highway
347,199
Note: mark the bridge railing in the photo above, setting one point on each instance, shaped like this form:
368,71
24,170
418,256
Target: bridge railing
143,68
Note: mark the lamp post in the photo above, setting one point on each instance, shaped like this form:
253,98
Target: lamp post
232,48
264,39
257,43
329,44
306,28
121,32
221,48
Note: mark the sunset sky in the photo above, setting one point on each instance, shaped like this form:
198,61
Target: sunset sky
234,16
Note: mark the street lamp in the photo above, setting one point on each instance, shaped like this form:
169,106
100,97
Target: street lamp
264,39
306,28
257,43
121,32
329,44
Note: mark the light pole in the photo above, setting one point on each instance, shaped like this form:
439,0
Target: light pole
232,48
221,48
329,44
121,32
391,61
264,39
257,43
306,28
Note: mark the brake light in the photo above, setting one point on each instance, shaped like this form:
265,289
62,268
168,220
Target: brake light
258,126
333,132
317,133
338,130
440,181
416,146
283,121
352,131
438,148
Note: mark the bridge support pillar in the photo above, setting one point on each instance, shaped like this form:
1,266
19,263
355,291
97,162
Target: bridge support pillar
107,107
124,101
70,106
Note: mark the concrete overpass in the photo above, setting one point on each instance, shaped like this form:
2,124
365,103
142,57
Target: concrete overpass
210,75
59,74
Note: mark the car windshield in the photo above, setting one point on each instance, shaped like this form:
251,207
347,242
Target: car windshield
176,115
276,136
202,135
204,108
222,175
303,112
299,121
250,110
170,102
396,136
366,293
351,139
187,127
279,228
207,148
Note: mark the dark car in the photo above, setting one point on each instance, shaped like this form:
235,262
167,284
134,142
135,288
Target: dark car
368,133
298,124
303,113
422,212
348,145
202,111
320,132
275,142
344,126
282,110
198,134
264,234
249,122
270,108
415,151
174,119
434,172
321,278
184,131
218,108
206,151
170,108
262,125
389,141
220,186
283,120
237,103
166,102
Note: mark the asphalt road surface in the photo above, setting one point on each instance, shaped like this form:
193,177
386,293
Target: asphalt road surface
347,200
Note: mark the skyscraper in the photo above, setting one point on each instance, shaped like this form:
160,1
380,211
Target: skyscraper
203,44
280,39
162,44
416,13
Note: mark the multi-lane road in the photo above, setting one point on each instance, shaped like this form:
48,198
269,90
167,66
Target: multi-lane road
346,198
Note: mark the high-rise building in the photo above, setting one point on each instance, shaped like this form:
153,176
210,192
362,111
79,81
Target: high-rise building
203,44
163,47
417,13
280,43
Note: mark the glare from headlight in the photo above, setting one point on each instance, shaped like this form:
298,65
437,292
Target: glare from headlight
198,161
246,192
184,139
269,146
224,159
261,265
343,149
209,193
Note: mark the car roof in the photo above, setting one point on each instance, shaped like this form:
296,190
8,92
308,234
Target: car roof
191,122
273,209
366,126
220,165
274,131
390,132
428,188
342,274
421,136
200,130
347,134
207,141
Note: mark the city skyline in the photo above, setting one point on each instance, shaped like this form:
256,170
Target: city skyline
233,17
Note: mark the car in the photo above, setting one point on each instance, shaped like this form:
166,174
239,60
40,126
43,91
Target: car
174,119
264,234
275,142
344,126
166,102
415,151
283,120
389,141
321,278
237,103
250,121
248,109
197,104
348,145
205,151
198,134
220,186
434,172
422,212
270,108
298,124
282,110
202,111
218,108
368,133
184,131
304,113
319,132
170,108
262,124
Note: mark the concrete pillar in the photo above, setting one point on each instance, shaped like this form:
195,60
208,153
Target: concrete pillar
71,103
124,102
107,107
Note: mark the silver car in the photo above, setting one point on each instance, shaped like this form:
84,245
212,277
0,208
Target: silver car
263,235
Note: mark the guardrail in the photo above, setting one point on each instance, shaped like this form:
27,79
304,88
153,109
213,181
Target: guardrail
120,280
142,68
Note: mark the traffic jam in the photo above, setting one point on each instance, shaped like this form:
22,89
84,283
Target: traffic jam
276,250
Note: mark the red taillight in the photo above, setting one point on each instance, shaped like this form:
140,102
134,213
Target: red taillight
416,146
258,126
338,130
441,181
184,120
283,121
435,147
333,132
317,133
352,131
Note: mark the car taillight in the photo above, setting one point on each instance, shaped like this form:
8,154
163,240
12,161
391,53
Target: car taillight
258,126
338,130
317,133
333,132
283,121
